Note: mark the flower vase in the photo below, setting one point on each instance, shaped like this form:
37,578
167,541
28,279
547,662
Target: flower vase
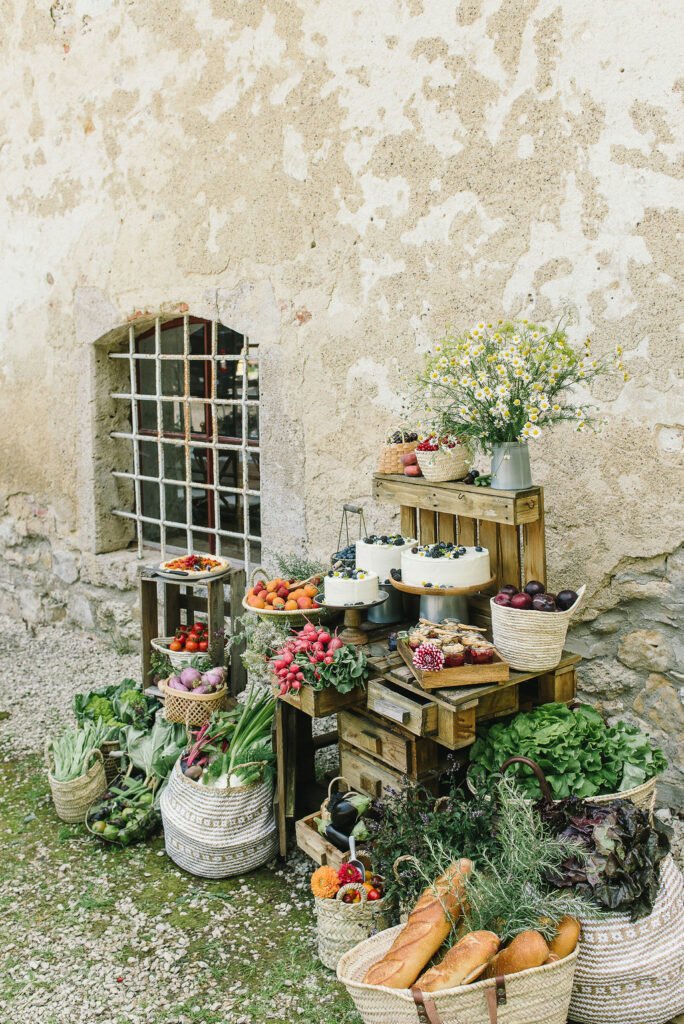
511,466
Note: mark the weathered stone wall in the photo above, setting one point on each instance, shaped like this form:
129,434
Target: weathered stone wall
341,180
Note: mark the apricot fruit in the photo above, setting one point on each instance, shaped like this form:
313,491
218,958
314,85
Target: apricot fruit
304,602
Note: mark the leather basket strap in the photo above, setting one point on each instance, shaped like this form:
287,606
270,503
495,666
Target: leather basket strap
496,996
426,1004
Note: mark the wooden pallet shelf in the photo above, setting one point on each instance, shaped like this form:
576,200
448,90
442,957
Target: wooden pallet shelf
510,524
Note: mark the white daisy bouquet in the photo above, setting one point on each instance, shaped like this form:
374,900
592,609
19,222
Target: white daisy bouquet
509,381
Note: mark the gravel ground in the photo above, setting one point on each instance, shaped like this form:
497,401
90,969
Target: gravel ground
96,935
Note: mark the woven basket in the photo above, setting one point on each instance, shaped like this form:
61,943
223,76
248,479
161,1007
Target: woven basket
179,659
445,463
72,799
390,456
341,926
531,641
633,973
191,708
643,796
216,833
112,764
540,995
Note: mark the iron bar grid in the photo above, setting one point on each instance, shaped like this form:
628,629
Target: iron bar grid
187,440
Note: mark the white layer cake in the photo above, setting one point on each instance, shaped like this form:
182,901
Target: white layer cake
382,555
454,566
350,586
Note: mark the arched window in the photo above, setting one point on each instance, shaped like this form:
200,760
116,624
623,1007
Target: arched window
194,432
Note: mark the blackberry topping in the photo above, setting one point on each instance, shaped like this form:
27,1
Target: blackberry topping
414,551
478,548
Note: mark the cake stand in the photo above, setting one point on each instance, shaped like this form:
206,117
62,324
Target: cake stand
437,603
353,617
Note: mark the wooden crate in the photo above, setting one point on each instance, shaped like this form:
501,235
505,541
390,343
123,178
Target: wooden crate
457,709
316,846
369,775
394,746
319,703
497,671
509,523
414,711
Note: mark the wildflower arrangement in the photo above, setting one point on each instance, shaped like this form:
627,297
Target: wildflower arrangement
509,381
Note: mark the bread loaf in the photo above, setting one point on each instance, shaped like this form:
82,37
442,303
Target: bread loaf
528,949
428,925
566,938
465,961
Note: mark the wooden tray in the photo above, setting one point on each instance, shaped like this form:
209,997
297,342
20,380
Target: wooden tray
320,849
405,588
497,671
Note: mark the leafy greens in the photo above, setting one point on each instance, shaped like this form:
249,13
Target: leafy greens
618,865
579,754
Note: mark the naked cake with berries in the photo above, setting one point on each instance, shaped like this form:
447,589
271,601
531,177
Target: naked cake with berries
445,565
381,553
346,587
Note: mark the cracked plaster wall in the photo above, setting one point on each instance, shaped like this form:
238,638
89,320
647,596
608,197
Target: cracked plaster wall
340,180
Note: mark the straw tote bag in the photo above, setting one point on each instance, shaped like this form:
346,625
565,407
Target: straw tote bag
633,972
217,833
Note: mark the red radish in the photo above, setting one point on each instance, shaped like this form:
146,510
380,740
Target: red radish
300,677
324,637
328,659
296,685
287,658
336,643
279,664
321,657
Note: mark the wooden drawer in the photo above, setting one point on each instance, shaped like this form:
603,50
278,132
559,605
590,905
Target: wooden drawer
498,705
412,755
414,712
370,776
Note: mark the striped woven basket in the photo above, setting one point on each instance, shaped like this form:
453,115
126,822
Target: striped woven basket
633,973
216,833
341,926
73,798
445,464
531,641
540,995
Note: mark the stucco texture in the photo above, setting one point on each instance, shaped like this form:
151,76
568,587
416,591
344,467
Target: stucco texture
341,181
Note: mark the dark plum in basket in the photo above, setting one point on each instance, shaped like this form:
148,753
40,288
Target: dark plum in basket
509,589
534,587
523,601
566,599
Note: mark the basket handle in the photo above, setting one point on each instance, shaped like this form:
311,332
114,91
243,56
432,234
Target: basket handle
441,804
98,754
426,1003
352,887
541,778
338,778
253,576
405,856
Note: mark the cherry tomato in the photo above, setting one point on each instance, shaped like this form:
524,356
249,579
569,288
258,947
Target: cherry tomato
203,645
191,646
175,645
198,627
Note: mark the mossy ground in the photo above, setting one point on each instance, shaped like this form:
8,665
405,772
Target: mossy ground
100,934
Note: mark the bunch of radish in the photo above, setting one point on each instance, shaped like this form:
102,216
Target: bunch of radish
296,662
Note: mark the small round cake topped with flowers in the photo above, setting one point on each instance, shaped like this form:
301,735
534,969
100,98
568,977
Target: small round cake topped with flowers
445,565
381,553
344,587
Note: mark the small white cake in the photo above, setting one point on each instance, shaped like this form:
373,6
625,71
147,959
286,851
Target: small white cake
382,553
445,565
343,587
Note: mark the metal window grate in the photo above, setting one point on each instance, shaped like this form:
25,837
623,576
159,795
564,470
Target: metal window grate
208,500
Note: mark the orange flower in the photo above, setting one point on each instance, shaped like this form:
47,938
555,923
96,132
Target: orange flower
325,883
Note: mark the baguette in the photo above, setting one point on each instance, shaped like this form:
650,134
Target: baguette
566,938
528,949
465,961
428,925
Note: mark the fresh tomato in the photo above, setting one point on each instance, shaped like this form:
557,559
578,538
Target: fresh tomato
373,894
175,645
190,646
203,645
198,627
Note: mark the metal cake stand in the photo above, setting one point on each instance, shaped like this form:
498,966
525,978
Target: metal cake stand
353,617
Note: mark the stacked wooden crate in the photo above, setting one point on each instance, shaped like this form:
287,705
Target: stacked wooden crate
405,731
400,730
